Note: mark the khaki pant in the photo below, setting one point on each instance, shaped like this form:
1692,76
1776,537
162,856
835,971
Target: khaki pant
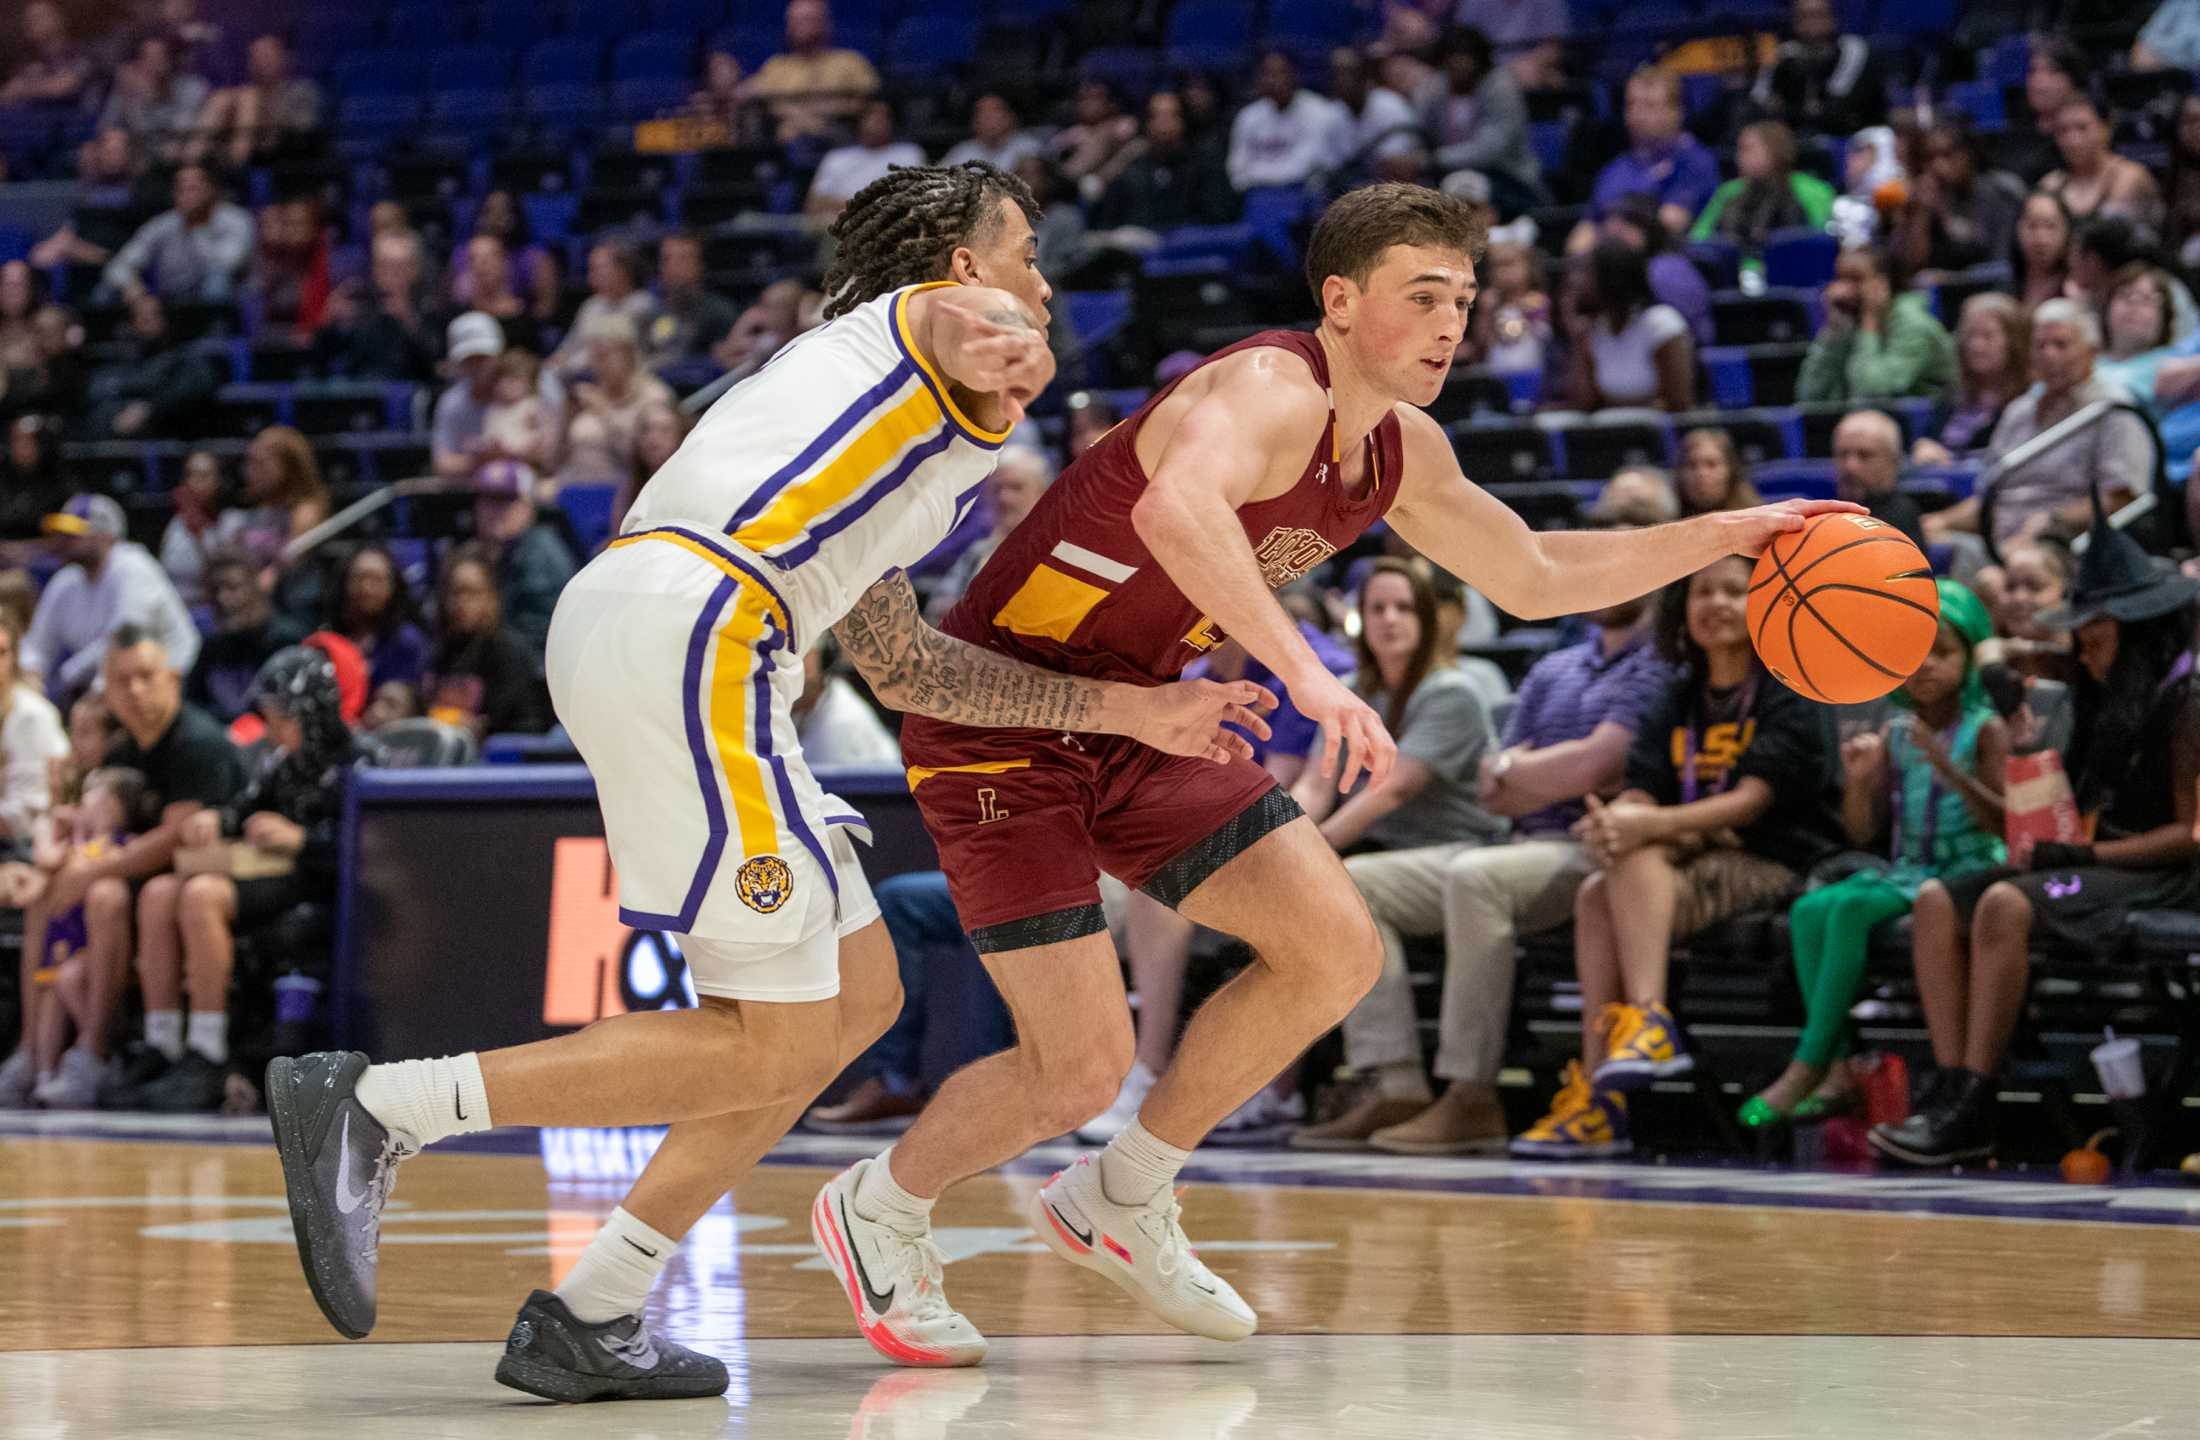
1481,899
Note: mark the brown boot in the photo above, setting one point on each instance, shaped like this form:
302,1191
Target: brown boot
1466,1121
1350,1130
870,1107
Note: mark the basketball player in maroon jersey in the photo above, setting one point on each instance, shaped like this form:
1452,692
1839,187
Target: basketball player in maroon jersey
1168,535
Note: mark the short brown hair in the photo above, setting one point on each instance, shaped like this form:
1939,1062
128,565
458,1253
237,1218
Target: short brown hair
1361,224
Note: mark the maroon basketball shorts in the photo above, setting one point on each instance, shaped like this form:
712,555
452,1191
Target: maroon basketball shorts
1026,820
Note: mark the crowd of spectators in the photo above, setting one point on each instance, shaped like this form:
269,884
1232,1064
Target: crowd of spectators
1639,783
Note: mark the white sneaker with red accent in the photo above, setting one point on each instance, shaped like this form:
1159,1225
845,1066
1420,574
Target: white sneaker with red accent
892,1279
1141,1248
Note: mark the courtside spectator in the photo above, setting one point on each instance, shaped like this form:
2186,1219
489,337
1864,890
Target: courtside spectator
691,318
1880,338
1477,119
997,135
524,550
835,723
32,742
1767,194
1725,808
286,820
109,176
272,112
108,583
1822,82
154,103
53,70
1959,212
1174,181
1568,737
1867,471
2052,493
1712,476
614,288
1509,329
480,676
719,98
846,169
198,250
811,88
246,632
2134,761
1662,160
1282,137
374,609
1993,367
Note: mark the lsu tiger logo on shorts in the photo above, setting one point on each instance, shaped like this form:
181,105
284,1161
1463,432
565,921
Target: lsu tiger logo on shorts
764,883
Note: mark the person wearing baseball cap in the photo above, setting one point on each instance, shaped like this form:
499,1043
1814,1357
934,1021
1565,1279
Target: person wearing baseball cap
532,560
474,342
109,581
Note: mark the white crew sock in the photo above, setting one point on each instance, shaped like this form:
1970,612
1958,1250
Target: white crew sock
423,1101
1402,1081
164,1032
1135,1167
209,1034
617,1271
880,1198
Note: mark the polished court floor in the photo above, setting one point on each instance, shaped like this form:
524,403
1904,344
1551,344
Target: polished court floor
148,1287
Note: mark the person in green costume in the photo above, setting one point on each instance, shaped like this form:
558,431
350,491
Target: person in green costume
1929,783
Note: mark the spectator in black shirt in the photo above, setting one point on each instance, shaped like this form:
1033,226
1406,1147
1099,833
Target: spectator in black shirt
162,386
1867,469
1823,82
1174,181
481,676
391,332
691,319
31,483
247,632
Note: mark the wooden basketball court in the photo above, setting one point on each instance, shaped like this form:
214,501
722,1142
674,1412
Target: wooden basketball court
148,1287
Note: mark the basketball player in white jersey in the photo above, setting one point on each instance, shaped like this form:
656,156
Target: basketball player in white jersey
674,658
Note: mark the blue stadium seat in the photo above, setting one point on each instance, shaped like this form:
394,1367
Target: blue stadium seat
1794,479
1312,25
1495,451
1134,69
323,33
468,69
518,22
1776,316
1095,316
429,24
1760,435
753,38
459,114
1718,261
606,18
693,16
376,117
648,96
589,508
375,72
1981,102
570,61
654,55
1591,447
924,43
1800,258
1217,33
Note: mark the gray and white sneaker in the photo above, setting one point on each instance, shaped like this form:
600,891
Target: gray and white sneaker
17,1077
339,1165
75,1083
559,1357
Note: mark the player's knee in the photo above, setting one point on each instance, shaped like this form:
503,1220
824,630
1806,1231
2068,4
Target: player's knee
867,1012
1071,1085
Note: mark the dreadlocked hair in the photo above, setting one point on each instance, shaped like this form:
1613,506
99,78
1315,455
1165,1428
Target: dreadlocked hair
902,228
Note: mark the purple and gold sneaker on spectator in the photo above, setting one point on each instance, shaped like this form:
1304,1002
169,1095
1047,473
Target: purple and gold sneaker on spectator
1585,1123
1643,1044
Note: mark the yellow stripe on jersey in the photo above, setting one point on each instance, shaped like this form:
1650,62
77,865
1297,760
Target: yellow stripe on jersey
909,343
1049,603
756,824
846,473
918,774
704,552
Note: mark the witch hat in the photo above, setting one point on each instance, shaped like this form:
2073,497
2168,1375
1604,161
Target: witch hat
2118,579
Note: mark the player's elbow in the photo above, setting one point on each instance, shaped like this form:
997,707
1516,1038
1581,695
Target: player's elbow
1532,587
1157,519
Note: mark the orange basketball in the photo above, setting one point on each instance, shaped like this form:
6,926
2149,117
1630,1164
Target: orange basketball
1844,609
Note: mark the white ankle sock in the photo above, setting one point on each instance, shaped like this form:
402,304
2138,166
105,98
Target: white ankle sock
617,1271
880,1198
209,1034
164,1032
1136,1166
1403,1081
423,1101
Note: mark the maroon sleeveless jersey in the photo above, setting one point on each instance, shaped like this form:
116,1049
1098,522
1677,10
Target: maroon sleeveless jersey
1074,589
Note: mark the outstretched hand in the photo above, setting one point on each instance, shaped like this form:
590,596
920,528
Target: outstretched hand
1189,717
1748,532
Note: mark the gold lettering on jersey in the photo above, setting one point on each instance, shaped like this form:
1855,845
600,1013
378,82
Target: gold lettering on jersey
988,810
1290,552
1204,636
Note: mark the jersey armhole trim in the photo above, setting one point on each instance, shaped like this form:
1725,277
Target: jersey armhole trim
969,429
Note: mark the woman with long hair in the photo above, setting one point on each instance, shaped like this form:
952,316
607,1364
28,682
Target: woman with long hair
1712,475
22,291
657,434
1627,348
2181,192
2093,179
2041,257
1768,193
1725,807
2134,758
480,676
1993,367
374,609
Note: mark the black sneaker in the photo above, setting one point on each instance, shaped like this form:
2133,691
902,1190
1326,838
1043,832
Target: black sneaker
554,1355
191,1086
338,1167
1957,1128
144,1066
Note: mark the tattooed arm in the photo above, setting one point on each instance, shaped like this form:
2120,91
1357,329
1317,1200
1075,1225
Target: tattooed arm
911,666
987,345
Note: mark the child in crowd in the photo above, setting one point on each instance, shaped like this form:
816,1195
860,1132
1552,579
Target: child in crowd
1930,779
1512,323
112,810
518,420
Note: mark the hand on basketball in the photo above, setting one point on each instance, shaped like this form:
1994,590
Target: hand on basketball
1748,532
1189,717
1351,730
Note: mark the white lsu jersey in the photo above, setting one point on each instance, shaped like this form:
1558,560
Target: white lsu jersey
840,461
